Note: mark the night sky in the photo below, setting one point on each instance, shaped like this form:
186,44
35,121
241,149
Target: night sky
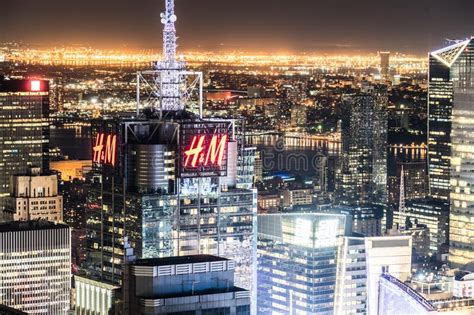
250,25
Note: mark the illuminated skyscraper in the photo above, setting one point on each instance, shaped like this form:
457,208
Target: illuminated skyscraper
384,64
362,261
298,257
440,104
458,61
35,264
24,131
169,195
363,178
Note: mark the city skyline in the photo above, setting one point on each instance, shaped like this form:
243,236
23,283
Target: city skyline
304,26
305,157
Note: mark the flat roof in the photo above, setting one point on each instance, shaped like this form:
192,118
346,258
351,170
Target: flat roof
25,85
179,260
196,293
15,226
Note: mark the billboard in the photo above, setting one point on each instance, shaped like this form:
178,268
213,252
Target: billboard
104,149
203,149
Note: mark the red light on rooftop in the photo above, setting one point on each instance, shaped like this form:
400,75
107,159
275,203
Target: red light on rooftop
35,85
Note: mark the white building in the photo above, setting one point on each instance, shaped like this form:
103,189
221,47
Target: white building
364,259
35,197
35,267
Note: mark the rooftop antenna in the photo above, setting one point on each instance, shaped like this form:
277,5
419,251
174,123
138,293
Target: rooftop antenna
170,80
169,87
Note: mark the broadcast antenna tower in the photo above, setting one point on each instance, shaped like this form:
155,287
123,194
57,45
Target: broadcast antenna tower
171,78
169,87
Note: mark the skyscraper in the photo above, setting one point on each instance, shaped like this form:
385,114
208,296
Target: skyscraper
362,261
385,65
298,254
24,131
440,104
169,186
35,264
363,178
458,61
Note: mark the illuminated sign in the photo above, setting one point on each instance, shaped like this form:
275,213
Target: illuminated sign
204,149
35,86
104,149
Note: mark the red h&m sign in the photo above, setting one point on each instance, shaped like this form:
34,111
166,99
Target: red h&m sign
204,150
104,150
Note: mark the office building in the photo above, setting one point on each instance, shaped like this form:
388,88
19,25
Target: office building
35,264
192,285
415,181
440,105
432,213
366,219
24,131
384,65
296,197
363,175
166,206
362,262
35,196
298,255
455,66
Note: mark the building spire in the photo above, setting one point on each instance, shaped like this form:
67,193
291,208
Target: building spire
168,18
170,78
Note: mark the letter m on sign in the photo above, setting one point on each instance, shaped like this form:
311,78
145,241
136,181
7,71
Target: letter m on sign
110,149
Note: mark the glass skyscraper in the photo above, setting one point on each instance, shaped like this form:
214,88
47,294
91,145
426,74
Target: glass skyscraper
440,105
363,177
458,59
24,131
297,262
142,194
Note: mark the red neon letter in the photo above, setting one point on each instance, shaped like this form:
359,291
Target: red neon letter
110,149
97,149
195,150
215,151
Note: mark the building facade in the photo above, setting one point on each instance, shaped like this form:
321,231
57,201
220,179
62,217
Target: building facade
363,175
146,190
363,260
35,267
36,197
192,285
24,131
432,213
297,262
461,233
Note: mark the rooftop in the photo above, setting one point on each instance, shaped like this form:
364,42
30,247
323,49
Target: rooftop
196,293
24,85
15,226
178,260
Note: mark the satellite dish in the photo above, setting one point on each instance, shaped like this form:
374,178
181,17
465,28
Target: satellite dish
173,18
163,21
162,15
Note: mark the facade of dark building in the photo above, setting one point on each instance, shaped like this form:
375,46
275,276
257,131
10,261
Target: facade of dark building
363,174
